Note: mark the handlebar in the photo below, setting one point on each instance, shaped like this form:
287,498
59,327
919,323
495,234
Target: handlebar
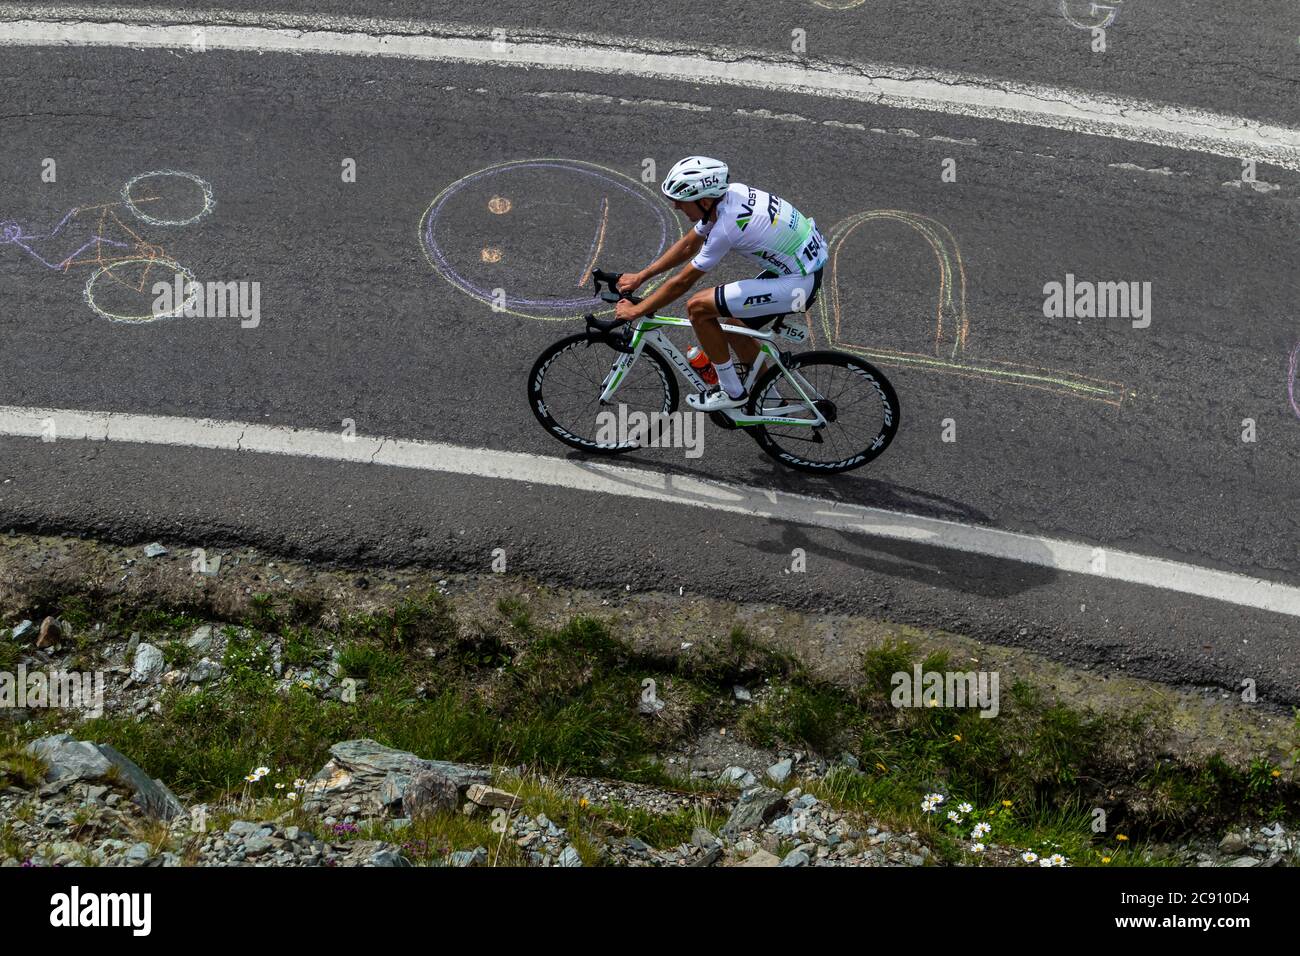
608,330
611,280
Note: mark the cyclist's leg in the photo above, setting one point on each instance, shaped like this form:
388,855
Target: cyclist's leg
756,302
702,310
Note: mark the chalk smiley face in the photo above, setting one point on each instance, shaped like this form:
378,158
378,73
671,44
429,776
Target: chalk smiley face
522,236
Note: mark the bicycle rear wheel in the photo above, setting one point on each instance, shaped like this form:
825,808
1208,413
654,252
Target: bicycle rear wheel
564,393
855,398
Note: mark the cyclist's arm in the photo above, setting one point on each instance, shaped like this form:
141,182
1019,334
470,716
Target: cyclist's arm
684,248
674,288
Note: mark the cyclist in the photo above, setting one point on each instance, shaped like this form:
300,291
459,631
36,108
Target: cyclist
730,216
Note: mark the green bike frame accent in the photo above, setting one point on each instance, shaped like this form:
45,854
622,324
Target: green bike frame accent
650,332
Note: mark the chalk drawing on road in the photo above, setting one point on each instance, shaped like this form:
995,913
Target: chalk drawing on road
531,213
126,265
1103,14
952,326
1292,368
178,219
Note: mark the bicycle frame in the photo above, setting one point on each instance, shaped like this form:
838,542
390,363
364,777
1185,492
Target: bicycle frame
650,332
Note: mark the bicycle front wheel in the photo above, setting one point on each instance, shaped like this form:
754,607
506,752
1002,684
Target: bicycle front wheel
564,390
857,401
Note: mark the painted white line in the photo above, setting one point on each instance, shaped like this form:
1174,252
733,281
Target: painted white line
878,83
626,482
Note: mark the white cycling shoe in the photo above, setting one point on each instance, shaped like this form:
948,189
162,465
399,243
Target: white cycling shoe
715,400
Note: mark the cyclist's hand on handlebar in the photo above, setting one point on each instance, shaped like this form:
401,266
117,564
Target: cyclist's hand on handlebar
625,311
629,282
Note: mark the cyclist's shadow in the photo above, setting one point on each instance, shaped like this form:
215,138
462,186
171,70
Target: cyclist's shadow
931,564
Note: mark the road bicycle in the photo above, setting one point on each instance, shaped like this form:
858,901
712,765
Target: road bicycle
823,412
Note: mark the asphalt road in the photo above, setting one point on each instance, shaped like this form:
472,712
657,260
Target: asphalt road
356,323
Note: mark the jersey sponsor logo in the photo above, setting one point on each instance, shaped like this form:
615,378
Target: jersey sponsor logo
765,299
746,211
773,207
775,259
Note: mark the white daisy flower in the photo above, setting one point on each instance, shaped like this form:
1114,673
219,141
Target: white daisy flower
1058,860
981,829
1045,861
1029,856
965,807
977,847
954,816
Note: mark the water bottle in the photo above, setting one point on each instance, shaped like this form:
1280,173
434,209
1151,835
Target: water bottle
703,367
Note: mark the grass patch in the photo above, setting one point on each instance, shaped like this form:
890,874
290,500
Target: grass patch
18,768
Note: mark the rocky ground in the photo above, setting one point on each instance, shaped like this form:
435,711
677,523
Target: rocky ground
69,801
96,808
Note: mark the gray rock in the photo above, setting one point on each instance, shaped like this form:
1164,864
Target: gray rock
755,807
850,761
360,769
569,857
796,858
739,776
780,770
205,670
430,791
22,629
148,665
485,796
741,693
1232,843
240,829
709,857
257,844
151,796
762,858
201,640
702,838
138,854
70,760
1243,861
388,857
475,857
785,825
154,550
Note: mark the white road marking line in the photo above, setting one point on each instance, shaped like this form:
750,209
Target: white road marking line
882,84
627,482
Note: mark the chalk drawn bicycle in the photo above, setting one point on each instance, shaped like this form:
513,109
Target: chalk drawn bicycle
822,411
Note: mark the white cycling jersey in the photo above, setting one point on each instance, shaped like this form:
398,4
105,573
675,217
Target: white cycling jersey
765,227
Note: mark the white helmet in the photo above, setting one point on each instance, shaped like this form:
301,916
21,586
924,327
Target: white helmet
696,177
